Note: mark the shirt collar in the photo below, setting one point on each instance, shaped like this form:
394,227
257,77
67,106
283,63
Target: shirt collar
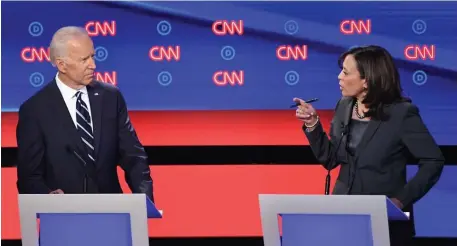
68,92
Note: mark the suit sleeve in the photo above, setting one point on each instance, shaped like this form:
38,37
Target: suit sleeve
134,160
422,146
323,147
31,148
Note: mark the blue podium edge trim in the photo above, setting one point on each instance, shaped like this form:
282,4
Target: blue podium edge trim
151,211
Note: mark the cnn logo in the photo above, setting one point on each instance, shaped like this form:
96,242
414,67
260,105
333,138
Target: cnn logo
287,52
224,27
351,27
160,53
415,52
99,28
223,78
32,54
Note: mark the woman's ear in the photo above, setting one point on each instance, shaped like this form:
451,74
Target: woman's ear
365,85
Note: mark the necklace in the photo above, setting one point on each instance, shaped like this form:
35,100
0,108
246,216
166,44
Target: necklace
357,111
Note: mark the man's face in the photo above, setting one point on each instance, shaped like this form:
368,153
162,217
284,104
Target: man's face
79,65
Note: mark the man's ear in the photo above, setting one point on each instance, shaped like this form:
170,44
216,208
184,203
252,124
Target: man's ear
61,65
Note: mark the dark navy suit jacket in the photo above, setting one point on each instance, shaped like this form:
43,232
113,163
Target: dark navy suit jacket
379,167
49,145
379,164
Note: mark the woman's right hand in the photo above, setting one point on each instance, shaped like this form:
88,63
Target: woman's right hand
306,113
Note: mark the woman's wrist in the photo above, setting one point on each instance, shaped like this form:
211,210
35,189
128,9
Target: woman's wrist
314,124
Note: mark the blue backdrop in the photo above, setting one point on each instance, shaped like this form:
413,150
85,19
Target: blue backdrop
269,83
187,84
435,214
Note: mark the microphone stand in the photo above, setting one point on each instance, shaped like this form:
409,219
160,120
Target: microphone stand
333,157
85,173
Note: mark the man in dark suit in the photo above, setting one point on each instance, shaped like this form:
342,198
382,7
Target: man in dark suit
73,133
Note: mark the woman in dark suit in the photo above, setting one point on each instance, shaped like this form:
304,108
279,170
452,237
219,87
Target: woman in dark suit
373,132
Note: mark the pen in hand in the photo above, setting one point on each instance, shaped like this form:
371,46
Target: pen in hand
307,101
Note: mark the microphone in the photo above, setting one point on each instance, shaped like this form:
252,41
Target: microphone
83,162
333,157
308,101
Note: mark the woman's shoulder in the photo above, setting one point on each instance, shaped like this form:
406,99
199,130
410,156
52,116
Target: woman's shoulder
345,101
404,107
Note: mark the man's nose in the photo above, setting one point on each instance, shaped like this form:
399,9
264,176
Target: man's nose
92,63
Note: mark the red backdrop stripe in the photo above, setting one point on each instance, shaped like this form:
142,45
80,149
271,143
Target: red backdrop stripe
159,128
200,200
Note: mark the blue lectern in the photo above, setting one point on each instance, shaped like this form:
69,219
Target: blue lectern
334,220
86,219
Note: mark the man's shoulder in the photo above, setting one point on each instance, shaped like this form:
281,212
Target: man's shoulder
105,87
38,97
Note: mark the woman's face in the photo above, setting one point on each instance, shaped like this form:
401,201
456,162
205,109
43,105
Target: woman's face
351,85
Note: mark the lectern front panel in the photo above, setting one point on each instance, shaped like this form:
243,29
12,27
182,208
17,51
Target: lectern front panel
88,229
326,229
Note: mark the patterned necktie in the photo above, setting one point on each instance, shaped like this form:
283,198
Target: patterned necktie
83,125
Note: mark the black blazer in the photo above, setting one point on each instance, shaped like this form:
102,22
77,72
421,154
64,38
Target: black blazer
379,167
47,139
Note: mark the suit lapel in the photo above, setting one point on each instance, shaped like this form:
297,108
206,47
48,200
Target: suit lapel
60,111
95,98
347,116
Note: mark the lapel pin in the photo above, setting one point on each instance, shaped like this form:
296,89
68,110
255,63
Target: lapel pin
96,94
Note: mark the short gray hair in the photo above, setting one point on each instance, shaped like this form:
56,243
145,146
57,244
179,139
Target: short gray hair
58,47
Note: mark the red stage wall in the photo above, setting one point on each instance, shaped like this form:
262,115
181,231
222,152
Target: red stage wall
161,128
201,201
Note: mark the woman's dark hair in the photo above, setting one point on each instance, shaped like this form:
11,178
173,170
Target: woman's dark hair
377,67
